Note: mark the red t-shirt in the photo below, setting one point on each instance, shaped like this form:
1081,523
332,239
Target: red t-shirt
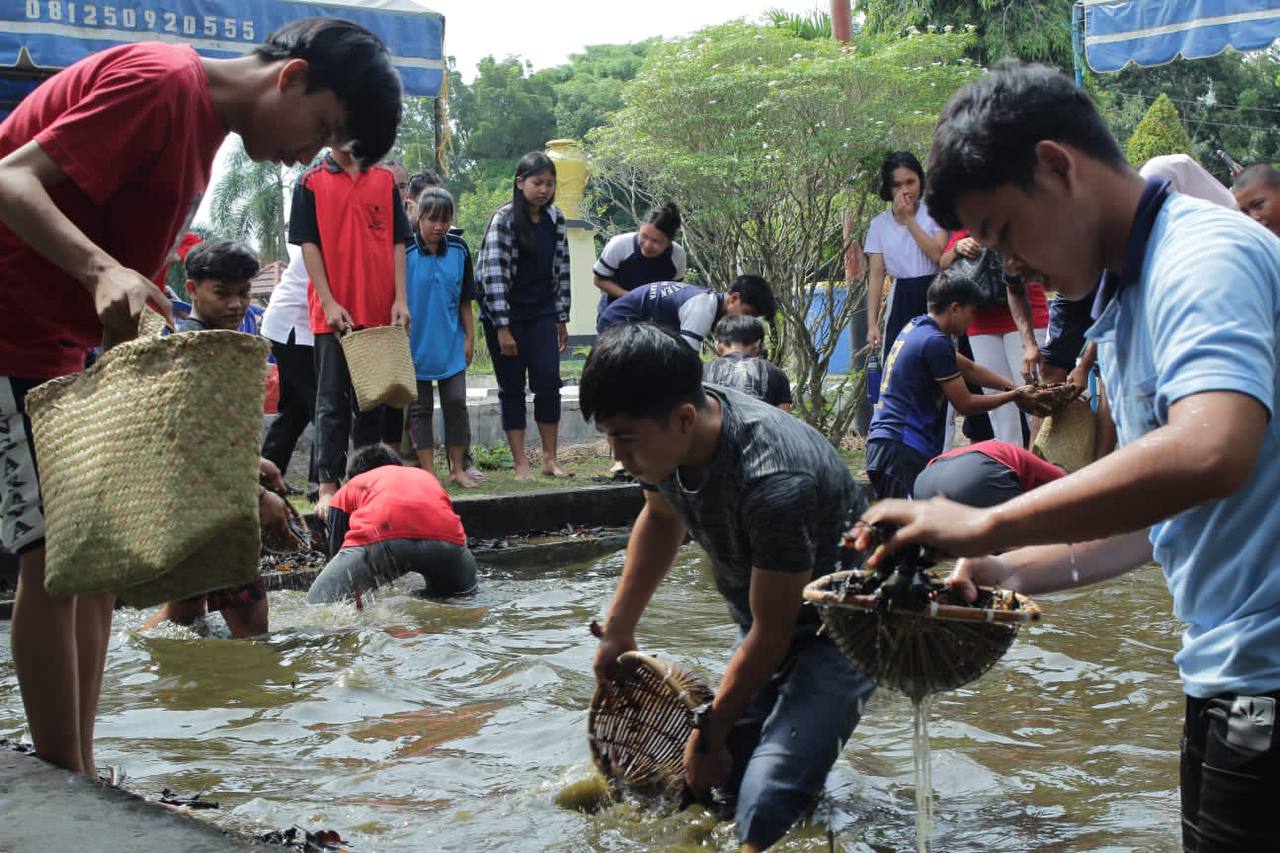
1031,471
397,502
357,224
996,319
135,130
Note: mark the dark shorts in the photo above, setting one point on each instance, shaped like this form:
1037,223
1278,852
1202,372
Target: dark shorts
973,479
21,506
1230,773
892,468
1068,321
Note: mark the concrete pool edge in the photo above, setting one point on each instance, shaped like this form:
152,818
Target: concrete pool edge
48,808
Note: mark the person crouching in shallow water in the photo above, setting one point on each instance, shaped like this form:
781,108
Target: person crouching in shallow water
767,497
218,283
389,519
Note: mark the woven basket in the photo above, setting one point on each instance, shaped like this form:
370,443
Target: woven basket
920,652
638,732
1069,436
149,467
381,366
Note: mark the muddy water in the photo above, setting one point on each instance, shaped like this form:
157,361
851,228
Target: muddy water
416,725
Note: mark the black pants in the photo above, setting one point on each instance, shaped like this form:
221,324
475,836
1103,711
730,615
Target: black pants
892,468
383,424
1230,774
335,404
538,354
297,407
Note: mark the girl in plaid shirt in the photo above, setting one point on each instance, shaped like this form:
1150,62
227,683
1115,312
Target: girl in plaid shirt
523,271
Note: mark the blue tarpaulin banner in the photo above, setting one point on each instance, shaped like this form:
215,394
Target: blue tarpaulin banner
1153,32
56,33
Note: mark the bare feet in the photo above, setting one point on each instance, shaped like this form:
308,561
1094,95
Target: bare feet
327,491
553,469
524,472
476,474
461,480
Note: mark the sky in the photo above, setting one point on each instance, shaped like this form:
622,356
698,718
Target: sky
547,33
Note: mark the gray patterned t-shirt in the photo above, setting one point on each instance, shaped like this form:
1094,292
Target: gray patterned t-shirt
777,496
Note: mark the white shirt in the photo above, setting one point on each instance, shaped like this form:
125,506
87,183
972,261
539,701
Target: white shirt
1188,177
903,257
287,312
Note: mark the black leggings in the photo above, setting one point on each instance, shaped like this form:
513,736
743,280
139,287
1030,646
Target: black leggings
1230,774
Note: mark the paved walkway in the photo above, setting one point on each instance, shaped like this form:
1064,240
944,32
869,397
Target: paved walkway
48,810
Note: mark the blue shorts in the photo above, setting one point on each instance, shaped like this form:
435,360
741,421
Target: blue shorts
892,468
1068,321
791,734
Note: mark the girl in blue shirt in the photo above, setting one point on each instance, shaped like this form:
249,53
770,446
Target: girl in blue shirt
440,286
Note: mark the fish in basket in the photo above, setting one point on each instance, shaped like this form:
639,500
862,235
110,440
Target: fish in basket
638,727
908,631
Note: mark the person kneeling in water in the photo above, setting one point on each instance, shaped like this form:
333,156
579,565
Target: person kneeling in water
389,519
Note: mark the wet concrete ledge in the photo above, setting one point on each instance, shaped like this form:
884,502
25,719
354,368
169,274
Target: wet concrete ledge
48,809
496,516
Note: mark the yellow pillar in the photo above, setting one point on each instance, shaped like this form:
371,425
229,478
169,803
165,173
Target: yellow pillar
571,182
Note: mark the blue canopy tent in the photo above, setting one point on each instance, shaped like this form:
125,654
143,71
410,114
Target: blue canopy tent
38,37
1154,32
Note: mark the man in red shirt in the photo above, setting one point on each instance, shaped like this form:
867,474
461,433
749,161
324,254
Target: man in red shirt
984,474
101,168
351,225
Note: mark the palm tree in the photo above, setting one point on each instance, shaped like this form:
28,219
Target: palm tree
814,25
248,203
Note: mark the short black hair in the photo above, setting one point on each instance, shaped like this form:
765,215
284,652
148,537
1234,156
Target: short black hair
436,203
666,219
1263,173
222,260
354,64
739,329
369,457
949,287
894,161
758,293
639,370
987,134
421,180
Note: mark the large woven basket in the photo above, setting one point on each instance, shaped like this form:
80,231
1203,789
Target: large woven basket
381,366
639,729
919,652
149,467
1068,437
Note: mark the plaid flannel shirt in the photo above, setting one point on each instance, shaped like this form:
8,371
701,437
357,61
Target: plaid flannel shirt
496,267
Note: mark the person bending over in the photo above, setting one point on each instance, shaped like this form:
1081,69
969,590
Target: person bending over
389,519
739,343
689,309
766,496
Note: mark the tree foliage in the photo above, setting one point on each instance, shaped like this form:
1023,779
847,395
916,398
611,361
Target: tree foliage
248,204
775,137
1032,30
1160,132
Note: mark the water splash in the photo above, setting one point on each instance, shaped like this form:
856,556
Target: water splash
923,771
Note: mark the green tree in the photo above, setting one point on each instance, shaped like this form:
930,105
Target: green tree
416,139
775,139
248,203
815,24
1032,30
588,89
1160,132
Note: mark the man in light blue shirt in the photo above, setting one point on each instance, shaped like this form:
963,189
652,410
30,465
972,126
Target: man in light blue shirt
1187,323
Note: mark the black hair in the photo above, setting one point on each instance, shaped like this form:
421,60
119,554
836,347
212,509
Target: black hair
987,134
739,329
1263,173
639,370
221,260
354,64
369,457
894,161
758,293
530,164
420,181
434,203
666,219
949,287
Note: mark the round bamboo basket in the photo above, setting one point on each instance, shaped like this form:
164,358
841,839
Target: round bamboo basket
918,652
638,729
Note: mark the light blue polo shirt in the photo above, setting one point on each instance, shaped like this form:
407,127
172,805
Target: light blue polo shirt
1204,315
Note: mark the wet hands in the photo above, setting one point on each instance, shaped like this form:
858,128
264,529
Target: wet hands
273,515
951,527
973,572
120,294
707,761
269,475
606,666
